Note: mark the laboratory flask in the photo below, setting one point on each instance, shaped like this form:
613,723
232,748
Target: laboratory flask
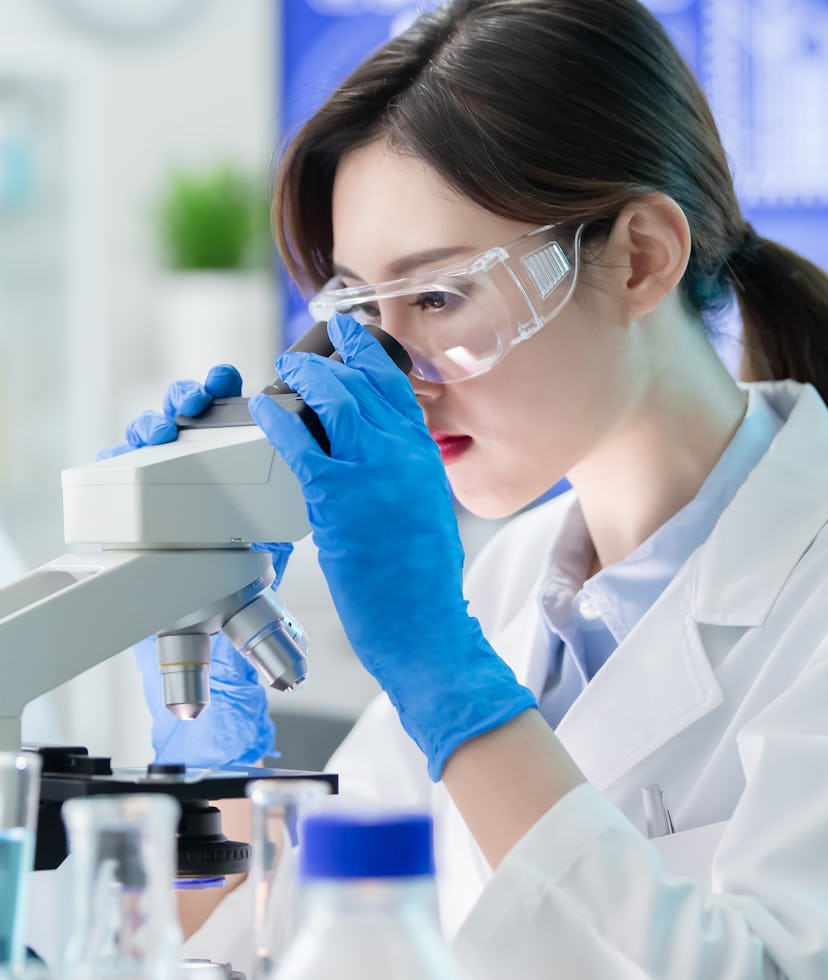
125,921
368,904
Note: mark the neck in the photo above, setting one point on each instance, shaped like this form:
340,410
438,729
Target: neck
655,459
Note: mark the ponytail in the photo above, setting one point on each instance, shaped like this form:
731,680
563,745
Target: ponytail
783,299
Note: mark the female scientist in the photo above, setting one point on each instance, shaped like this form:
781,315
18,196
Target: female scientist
626,729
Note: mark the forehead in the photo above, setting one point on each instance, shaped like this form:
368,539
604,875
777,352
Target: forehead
387,205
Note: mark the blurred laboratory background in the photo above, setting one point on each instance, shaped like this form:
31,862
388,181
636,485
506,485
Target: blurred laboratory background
137,143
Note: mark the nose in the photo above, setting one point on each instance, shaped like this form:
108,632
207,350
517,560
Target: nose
426,392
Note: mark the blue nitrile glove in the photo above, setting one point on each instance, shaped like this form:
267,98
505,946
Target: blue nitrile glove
384,524
182,398
235,727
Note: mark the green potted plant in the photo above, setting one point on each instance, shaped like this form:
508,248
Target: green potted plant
217,299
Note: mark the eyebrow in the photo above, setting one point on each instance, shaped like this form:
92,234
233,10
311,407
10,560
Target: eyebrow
406,264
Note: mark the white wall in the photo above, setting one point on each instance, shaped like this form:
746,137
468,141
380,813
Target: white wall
201,94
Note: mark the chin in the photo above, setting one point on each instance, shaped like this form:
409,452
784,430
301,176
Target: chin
491,507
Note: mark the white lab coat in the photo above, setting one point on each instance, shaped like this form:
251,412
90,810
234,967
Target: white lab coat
719,695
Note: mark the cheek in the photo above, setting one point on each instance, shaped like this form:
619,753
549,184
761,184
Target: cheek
509,463
532,419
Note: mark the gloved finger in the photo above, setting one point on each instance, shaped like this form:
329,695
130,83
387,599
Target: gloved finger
289,435
117,449
349,407
280,552
362,351
150,429
186,397
223,381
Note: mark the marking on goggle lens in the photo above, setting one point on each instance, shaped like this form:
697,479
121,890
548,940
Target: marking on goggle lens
547,267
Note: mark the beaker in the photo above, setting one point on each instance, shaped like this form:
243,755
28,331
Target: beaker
122,850
19,792
278,806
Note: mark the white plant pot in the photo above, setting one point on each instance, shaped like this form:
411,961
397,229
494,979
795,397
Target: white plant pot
218,317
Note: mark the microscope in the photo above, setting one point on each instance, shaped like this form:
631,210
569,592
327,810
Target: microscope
163,539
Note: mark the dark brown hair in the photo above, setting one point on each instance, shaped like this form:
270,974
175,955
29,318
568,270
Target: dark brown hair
550,111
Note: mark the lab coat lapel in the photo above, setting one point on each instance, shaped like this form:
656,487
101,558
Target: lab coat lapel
660,679
655,684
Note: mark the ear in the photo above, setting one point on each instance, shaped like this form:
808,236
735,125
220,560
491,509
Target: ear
650,241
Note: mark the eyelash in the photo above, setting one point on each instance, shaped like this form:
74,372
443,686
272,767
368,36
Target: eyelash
423,302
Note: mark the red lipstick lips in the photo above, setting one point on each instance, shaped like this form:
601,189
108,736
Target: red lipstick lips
451,447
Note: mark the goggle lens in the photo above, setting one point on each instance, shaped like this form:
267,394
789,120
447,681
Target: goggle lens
458,322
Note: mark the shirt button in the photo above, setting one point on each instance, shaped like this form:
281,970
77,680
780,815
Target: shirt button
587,609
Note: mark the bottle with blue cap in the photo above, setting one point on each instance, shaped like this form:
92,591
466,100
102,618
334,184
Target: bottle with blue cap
369,904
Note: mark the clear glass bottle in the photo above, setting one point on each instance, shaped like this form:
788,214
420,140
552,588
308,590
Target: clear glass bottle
122,854
368,903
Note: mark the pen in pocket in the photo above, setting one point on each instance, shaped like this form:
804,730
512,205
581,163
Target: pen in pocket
656,812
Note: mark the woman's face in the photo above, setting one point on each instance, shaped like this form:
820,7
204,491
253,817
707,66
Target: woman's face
507,435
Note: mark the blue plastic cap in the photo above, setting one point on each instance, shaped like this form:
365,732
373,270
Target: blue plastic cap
355,846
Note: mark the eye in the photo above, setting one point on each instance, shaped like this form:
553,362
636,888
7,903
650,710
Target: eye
436,300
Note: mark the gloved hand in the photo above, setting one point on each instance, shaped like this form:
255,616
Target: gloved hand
386,531
188,397
235,727
182,398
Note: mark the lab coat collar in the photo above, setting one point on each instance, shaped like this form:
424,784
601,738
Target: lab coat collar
660,679
775,516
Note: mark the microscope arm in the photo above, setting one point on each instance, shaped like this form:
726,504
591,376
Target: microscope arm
80,609
174,523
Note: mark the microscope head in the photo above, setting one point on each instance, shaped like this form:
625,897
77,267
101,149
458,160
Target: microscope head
198,502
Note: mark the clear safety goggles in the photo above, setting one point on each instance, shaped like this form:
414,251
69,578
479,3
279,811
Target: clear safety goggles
459,321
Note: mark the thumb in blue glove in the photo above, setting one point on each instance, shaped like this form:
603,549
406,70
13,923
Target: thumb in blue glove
386,532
